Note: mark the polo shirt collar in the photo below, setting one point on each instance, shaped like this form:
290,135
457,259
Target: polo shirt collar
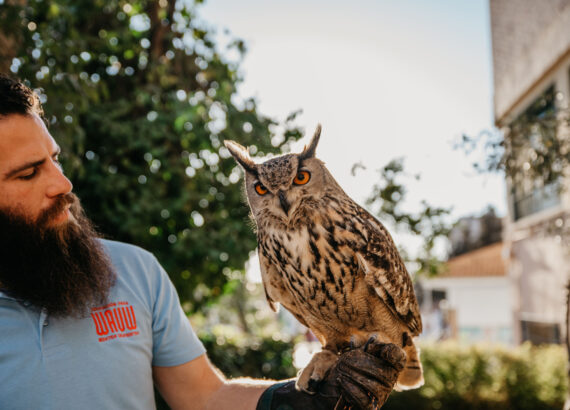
5,296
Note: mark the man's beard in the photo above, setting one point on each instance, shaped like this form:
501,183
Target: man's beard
61,268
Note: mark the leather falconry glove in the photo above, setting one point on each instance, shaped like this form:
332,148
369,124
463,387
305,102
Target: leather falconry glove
362,378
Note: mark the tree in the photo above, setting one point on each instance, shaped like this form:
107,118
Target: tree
534,148
140,99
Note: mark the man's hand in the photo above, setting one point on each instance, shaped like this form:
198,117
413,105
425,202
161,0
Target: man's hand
366,376
362,378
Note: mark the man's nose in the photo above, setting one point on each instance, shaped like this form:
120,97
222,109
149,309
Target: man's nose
58,182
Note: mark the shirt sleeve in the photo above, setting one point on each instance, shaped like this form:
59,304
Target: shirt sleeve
174,340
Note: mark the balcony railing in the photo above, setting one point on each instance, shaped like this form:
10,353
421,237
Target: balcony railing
538,200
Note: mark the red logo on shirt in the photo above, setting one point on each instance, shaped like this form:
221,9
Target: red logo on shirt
114,320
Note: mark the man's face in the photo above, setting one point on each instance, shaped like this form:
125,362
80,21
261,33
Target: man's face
31,178
49,252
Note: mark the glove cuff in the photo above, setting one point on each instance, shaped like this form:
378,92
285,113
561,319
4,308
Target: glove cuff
266,398
284,396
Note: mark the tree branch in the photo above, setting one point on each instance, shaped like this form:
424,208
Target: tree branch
158,29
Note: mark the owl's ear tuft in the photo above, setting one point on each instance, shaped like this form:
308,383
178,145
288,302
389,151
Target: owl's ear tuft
310,150
241,155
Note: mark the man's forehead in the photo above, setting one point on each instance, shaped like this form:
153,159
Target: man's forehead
23,137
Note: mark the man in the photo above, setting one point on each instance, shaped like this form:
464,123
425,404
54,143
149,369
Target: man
90,323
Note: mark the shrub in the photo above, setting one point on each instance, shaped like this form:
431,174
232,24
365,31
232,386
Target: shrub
258,358
486,377
480,377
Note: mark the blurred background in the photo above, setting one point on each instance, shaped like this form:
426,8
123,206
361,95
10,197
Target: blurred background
448,120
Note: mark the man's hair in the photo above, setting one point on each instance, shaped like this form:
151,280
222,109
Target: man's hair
17,98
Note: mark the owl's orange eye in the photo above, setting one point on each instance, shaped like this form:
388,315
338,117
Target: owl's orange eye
260,189
302,178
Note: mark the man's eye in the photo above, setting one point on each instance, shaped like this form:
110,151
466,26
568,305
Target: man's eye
29,176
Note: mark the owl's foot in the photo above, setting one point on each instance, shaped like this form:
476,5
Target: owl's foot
316,371
371,340
361,340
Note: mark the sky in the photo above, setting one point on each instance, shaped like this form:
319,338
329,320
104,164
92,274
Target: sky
385,78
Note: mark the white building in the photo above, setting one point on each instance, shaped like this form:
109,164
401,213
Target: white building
531,68
471,301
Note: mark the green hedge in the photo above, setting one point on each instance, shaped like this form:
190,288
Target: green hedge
488,378
457,377
259,358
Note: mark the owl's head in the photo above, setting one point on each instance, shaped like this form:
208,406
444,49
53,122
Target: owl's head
283,186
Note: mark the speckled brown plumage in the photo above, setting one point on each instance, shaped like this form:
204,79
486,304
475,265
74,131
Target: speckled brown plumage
328,261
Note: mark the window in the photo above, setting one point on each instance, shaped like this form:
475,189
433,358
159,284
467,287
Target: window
437,296
536,199
528,134
540,332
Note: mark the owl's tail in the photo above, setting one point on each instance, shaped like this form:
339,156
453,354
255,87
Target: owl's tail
412,375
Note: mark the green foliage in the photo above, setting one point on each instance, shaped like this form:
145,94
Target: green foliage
241,313
140,100
488,378
260,358
481,377
239,355
246,340
531,142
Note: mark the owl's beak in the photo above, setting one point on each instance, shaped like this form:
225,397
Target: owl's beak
283,201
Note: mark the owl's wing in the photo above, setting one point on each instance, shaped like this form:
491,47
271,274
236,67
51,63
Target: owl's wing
385,271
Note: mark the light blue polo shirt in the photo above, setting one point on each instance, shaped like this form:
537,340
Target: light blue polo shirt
103,361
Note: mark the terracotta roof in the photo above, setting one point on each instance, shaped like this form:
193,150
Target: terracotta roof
482,262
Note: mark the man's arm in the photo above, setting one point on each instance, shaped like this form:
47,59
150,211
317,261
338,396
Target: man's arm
198,385
362,377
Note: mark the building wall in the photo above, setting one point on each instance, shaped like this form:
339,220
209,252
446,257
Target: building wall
481,306
539,271
531,52
540,259
528,38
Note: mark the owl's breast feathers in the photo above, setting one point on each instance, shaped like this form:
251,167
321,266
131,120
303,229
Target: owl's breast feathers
335,268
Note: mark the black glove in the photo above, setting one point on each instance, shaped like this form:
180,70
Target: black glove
361,379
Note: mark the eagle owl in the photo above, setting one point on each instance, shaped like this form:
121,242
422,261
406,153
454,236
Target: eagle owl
328,261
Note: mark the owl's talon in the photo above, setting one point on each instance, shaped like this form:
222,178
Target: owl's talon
352,343
313,386
371,340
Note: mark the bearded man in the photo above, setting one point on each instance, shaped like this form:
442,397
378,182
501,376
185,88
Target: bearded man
88,323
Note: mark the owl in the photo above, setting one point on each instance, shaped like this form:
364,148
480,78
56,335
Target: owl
328,261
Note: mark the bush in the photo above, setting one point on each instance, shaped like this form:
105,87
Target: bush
239,355
457,377
488,378
260,358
